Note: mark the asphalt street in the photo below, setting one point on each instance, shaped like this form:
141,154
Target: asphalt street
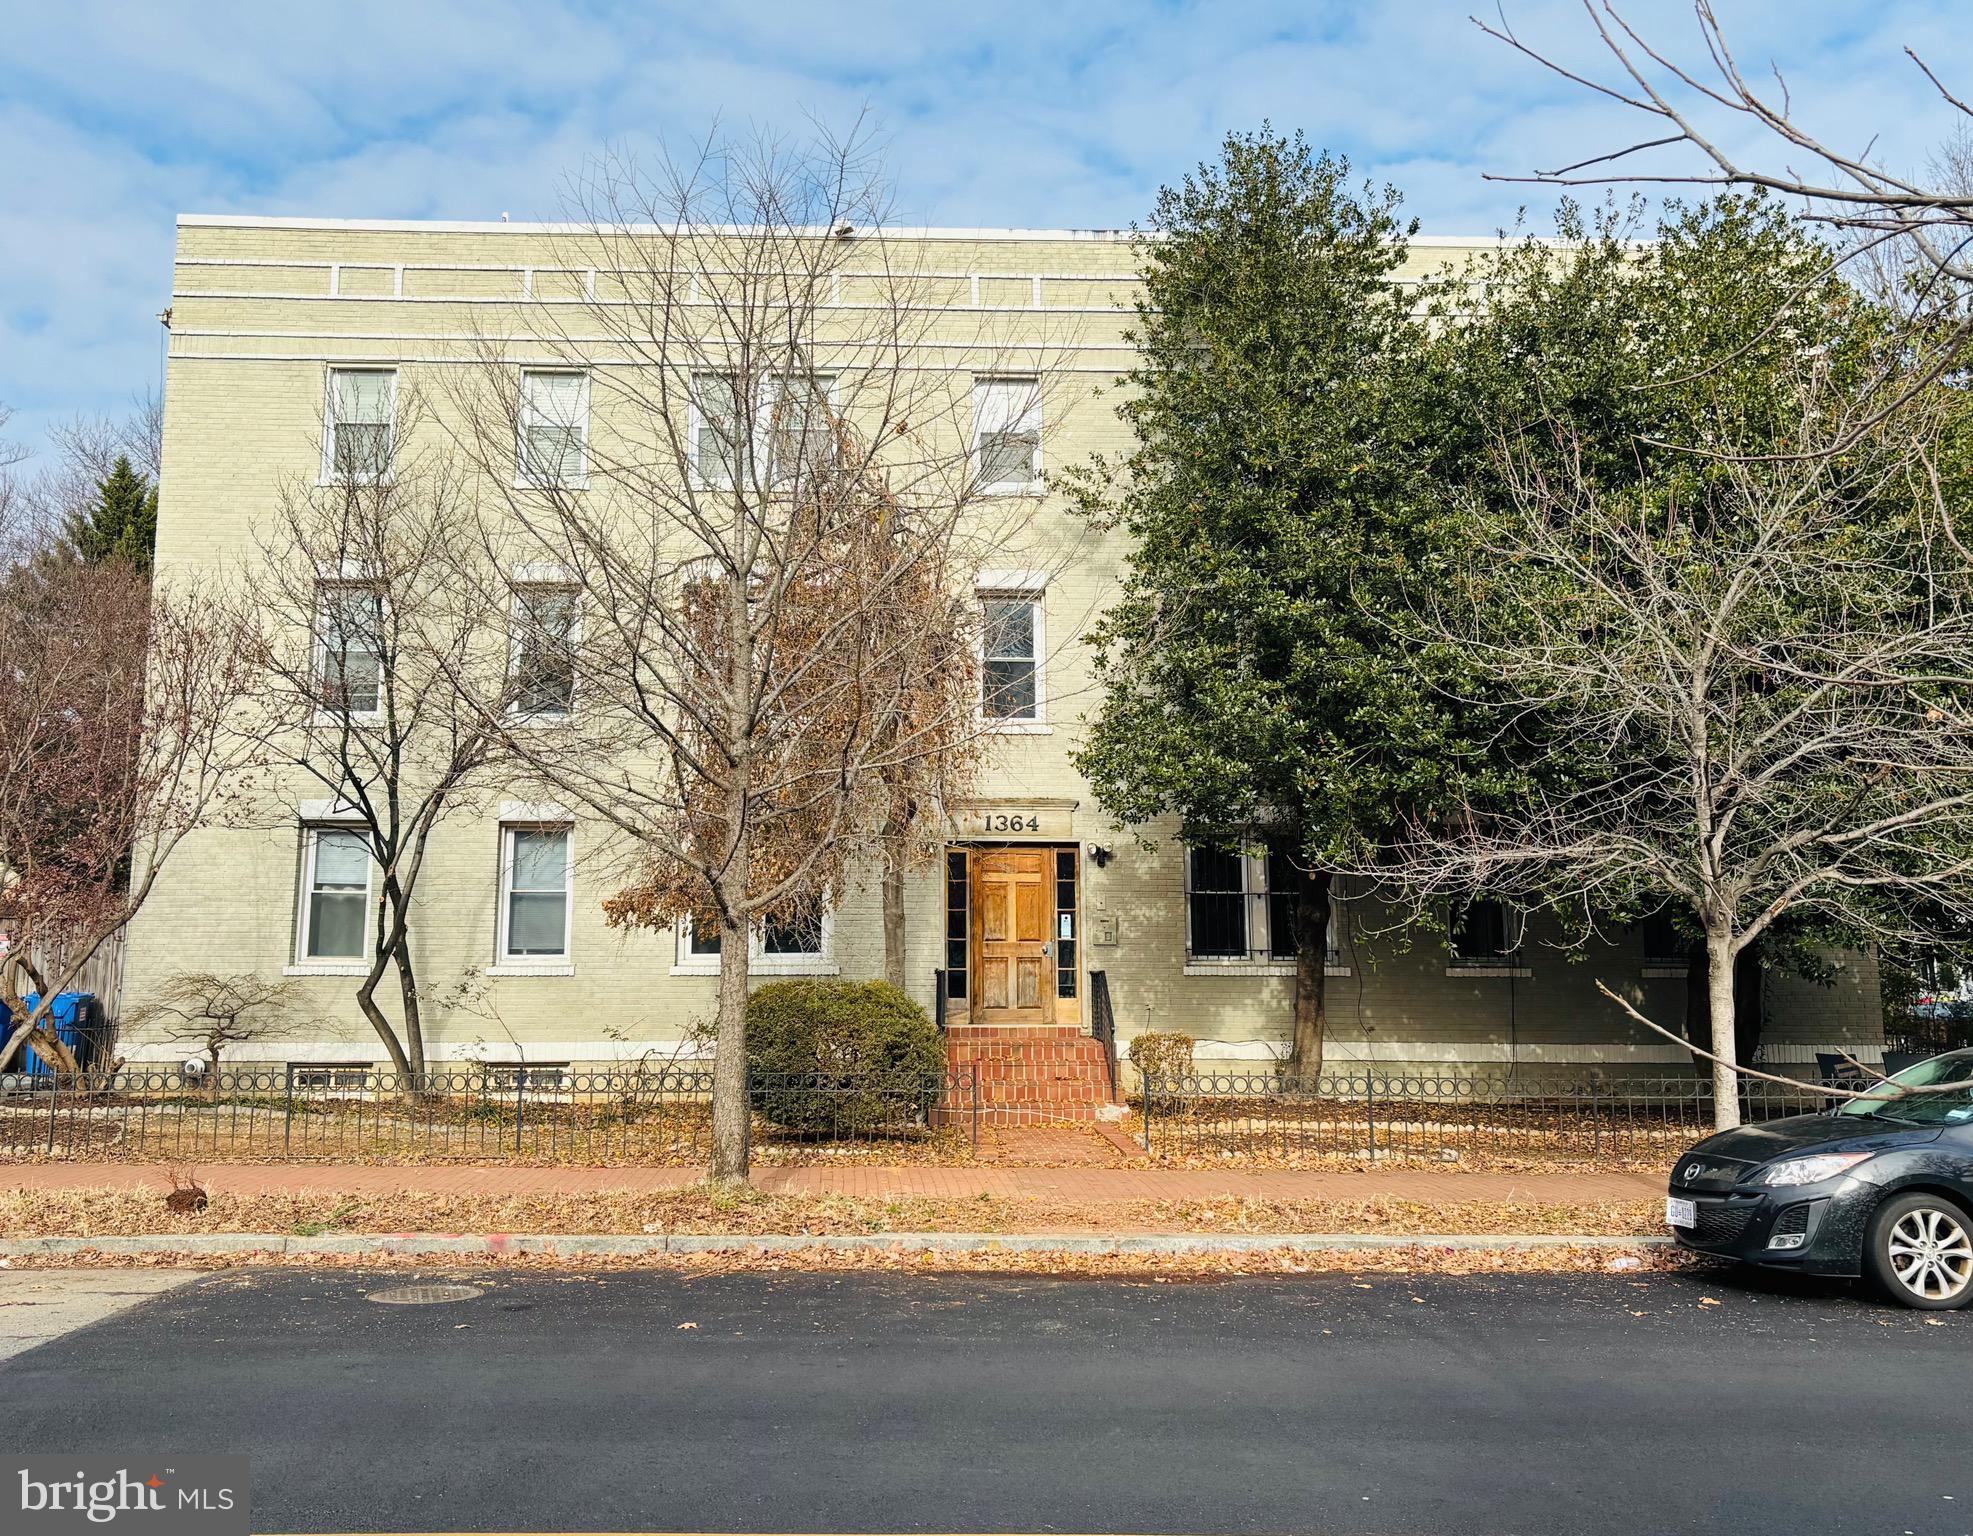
878,1402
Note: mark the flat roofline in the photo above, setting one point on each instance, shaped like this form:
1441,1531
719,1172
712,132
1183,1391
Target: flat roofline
933,232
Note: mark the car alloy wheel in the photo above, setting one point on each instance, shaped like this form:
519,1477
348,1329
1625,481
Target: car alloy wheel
1922,1252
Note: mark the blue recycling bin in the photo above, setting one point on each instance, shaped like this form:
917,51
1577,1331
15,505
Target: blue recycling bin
74,1018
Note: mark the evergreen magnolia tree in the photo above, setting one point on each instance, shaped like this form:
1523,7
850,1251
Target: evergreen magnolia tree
123,522
1278,492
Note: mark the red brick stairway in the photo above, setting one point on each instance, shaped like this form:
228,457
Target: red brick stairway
1032,1074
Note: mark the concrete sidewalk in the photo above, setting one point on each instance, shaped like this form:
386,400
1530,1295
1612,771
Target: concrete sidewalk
1427,1186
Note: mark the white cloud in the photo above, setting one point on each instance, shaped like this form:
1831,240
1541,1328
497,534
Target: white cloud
118,115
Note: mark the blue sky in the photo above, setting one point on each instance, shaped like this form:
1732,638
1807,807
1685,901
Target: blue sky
117,116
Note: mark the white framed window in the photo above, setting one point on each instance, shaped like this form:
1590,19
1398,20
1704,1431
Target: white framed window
554,446
358,423
1012,636
798,942
1240,909
334,919
1007,435
541,653
717,451
537,896
790,428
349,648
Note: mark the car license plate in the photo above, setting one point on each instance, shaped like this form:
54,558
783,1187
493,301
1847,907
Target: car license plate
1680,1213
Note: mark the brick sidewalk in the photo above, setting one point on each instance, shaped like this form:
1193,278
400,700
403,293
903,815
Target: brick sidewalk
1429,1186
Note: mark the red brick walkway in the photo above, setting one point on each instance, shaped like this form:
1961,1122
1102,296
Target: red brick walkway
1430,1186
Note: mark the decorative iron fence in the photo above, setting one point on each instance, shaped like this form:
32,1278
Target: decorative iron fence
1363,1115
343,1114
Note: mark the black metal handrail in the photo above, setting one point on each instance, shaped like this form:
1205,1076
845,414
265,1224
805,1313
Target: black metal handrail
1103,1022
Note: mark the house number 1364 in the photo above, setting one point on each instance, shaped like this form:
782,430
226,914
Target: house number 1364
1005,821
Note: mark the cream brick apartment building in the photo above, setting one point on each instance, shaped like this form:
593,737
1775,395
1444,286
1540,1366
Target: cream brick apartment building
282,331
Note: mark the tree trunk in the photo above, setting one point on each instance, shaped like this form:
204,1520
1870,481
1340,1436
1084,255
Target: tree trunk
732,1116
1719,988
1311,929
407,985
894,911
366,1001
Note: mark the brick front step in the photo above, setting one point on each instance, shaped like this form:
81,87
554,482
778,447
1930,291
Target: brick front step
1032,1074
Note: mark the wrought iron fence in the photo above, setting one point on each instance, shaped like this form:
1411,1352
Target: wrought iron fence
330,1113
1362,1115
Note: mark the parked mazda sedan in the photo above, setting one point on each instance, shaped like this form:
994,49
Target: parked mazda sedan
1879,1186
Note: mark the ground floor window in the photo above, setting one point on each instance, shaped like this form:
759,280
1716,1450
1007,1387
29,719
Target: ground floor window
796,938
1241,906
335,904
536,893
1484,934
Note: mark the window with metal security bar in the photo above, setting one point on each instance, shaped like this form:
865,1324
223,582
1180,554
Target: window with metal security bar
1483,934
520,1077
1240,908
349,1077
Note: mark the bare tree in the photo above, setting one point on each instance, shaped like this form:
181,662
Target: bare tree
1918,225
24,533
114,703
1760,698
1847,189
211,1012
773,516
380,681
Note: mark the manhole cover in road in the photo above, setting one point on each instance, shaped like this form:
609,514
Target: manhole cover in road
423,1295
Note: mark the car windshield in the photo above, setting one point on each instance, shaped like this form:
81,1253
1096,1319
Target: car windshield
1947,1108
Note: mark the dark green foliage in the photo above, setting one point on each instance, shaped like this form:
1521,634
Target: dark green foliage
123,524
840,1057
1279,491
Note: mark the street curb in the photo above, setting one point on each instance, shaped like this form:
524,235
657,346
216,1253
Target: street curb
607,1245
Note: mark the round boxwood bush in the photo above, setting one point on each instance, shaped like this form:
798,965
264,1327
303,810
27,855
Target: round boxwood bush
841,1057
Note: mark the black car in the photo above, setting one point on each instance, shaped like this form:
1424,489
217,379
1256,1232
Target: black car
1880,1186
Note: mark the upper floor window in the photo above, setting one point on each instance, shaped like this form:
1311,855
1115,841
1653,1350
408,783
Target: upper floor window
787,426
1010,656
335,905
1241,906
356,437
349,647
544,650
716,428
1007,434
554,428
535,893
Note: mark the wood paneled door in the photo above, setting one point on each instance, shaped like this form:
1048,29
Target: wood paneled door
1013,910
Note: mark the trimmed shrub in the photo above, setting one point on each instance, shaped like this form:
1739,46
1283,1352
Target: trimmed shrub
841,1057
1161,1057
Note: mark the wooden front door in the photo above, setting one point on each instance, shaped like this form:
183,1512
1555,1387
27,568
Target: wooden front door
1013,901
